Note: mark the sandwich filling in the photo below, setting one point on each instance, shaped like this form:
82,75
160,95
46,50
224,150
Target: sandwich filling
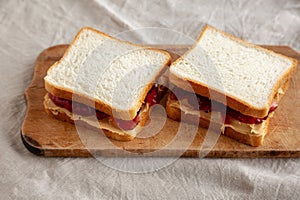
78,109
232,118
104,123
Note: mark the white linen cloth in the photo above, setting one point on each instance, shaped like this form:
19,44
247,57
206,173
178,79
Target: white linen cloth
28,27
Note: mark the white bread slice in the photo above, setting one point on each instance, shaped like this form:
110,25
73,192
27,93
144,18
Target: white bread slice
249,76
112,75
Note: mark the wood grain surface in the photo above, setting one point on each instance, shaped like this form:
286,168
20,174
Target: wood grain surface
44,135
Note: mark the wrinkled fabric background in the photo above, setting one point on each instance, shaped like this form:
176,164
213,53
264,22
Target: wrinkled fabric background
28,27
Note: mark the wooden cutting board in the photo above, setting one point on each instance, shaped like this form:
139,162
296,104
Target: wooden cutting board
44,135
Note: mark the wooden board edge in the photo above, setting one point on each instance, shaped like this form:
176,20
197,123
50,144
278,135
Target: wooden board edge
255,154
31,146
184,46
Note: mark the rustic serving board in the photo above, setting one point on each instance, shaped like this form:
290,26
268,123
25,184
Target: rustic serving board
44,135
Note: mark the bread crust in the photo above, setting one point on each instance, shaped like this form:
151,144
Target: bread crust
61,115
236,104
99,105
249,139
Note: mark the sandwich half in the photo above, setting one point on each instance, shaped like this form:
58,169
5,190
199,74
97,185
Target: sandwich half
104,83
250,79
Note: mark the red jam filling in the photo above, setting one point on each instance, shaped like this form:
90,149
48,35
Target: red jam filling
77,108
128,124
153,97
204,104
